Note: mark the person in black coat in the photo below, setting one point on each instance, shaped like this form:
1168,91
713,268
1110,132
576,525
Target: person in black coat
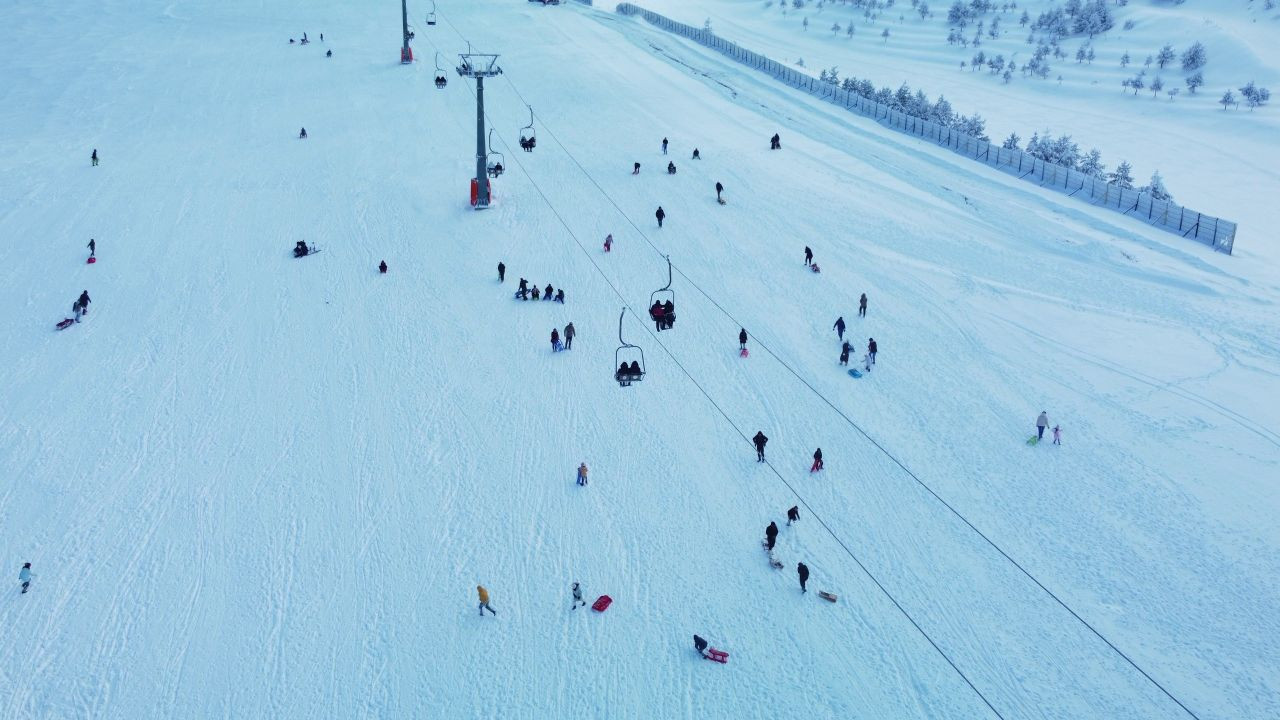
844,354
697,155
775,142
671,168
771,534
382,267
502,272
669,314
700,645
817,460
803,571
871,350
793,515
660,214
636,169
560,296
84,300
760,441
839,326
862,305
808,255
93,247
742,339
549,293
719,189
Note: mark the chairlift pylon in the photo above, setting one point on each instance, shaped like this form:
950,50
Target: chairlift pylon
441,80
627,372
497,165
658,300
528,139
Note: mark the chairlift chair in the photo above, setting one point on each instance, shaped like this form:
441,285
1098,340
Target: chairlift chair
497,162
662,296
528,139
431,16
441,80
625,356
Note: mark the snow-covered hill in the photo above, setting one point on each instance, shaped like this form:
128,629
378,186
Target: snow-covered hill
1206,154
253,486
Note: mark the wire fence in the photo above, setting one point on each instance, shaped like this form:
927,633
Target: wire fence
1212,231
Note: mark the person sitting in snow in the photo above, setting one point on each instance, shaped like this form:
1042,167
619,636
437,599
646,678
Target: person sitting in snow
671,168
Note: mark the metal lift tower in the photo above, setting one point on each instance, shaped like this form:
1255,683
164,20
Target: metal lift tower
406,54
479,66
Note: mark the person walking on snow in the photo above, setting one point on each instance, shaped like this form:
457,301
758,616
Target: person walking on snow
775,143
844,354
577,597
608,242
862,305
84,301
555,340
803,571
636,169
1057,435
94,157
660,215
582,474
569,332
817,460
382,267
742,339
1042,422
719,189
93,247
760,441
484,600
303,134
771,535
502,272
871,350
24,576
697,155
664,146
808,255
793,515
839,326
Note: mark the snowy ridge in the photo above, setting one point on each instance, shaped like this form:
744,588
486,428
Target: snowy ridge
1215,232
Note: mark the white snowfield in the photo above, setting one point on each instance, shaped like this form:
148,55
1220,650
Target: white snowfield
258,487
1212,159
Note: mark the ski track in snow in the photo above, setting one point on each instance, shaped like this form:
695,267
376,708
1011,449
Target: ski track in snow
253,486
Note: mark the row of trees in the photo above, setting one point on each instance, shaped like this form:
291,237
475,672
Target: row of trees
914,103
1193,58
1066,152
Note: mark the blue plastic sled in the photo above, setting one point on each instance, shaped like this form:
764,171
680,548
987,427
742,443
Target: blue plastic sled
854,373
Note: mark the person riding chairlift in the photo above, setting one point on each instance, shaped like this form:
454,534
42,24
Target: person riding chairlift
669,313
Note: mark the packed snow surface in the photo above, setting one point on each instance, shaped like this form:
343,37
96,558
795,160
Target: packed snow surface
254,486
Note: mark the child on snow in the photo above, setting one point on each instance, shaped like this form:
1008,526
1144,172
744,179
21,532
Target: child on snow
582,480
1057,435
577,598
24,576
484,600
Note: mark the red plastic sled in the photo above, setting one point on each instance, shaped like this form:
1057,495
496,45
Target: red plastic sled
66,324
719,656
602,603
93,260
743,353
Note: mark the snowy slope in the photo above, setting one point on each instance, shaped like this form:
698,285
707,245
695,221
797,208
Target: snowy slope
1205,155
258,487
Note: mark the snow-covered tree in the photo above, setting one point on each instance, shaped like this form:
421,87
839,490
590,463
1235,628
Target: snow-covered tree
1092,166
1171,92
1194,58
1147,63
806,24
1165,56
1122,176
1254,96
849,31
885,35
1124,59
1137,83
941,112
1156,86
1080,54
1089,56
1011,142
1026,18
973,125
1228,98
1156,188
923,9
1195,81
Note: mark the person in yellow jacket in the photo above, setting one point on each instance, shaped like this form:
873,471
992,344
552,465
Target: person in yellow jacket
484,600
582,474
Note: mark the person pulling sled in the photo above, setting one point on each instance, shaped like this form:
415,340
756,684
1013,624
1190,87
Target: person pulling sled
759,441
719,190
817,461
